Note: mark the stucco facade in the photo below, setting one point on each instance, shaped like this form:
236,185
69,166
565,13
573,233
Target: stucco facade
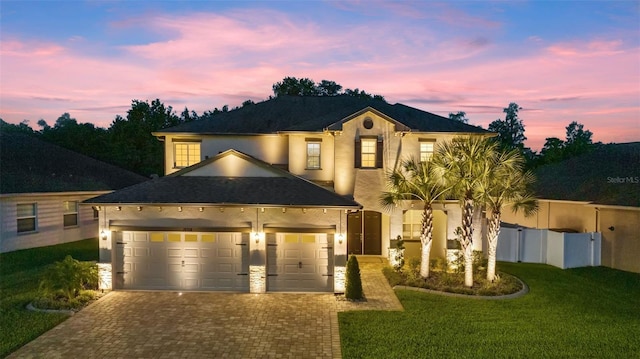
337,171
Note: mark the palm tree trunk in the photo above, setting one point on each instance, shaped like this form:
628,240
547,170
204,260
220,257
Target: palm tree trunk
492,244
426,236
466,242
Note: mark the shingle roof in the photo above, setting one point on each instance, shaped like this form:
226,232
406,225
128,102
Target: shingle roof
30,165
314,113
608,175
183,187
267,191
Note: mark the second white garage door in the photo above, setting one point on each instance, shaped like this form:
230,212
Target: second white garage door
299,262
182,261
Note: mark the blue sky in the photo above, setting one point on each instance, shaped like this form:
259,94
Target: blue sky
561,61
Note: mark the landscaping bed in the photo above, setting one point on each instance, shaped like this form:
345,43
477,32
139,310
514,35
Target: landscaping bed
20,276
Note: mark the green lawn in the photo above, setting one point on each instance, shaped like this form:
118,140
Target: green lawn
575,313
20,274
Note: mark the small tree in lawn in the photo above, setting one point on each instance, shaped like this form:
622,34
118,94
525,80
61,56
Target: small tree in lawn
353,287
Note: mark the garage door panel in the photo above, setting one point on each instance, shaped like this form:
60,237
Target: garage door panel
191,253
299,262
182,261
174,252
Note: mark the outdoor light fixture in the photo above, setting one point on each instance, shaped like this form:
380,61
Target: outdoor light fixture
284,210
340,238
179,209
159,209
304,210
139,208
118,208
262,209
324,210
612,228
221,209
201,209
103,234
242,209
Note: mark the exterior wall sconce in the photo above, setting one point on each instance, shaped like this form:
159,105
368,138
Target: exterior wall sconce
103,234
284,210
612,228
221,209
159,209
304,210
201,209
118,208
242,209
324,210
340,238
139,208
262,209
179,209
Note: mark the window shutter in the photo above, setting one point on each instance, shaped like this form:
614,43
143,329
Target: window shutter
358,153
379,153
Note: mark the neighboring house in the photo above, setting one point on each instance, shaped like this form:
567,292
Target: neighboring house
595,192
41,188
195,228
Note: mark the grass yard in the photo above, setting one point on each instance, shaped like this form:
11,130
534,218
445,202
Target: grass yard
589,312
20,274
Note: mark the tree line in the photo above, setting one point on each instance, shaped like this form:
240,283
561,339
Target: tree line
128,142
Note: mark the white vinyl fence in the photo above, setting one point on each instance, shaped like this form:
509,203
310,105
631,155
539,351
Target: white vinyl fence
563,250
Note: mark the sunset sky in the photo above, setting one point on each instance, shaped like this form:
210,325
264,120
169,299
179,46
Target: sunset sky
561,61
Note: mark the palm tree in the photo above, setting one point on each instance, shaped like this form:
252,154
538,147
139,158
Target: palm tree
415,180
508,185
465,163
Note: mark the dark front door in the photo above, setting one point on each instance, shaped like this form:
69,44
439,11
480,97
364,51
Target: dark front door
372,233
369,240
354,233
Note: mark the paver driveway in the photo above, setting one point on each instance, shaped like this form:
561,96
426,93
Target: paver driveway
209,325
194,325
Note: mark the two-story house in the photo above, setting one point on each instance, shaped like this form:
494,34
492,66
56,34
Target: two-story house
274,196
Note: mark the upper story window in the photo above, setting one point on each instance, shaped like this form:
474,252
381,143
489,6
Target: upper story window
426,150
368,152
70,216
186,154
313,155
26,217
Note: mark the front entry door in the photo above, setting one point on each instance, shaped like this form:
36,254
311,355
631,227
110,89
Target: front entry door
354,233
372,233
369,240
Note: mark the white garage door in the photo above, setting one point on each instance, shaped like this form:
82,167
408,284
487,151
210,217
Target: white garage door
182,261
299,262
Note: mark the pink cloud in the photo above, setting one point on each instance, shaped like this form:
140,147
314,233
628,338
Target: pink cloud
209,60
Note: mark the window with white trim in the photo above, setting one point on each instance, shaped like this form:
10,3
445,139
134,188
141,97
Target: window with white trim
368,151
186,154
426,151
70,216
26,217
313,155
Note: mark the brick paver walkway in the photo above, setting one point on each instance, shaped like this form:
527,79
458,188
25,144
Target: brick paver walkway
210,325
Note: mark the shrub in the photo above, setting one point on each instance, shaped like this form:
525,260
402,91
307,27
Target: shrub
479,263
353,286
393,277
399,254
68,277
